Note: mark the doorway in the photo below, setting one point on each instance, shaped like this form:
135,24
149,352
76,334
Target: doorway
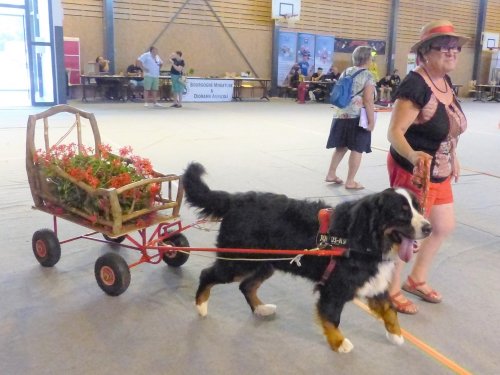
15,85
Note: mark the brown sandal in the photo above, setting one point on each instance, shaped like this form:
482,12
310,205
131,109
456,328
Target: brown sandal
412,287
407,307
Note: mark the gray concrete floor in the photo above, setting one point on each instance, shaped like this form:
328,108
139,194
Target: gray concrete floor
58,321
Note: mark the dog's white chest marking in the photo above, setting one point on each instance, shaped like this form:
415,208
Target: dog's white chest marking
379,283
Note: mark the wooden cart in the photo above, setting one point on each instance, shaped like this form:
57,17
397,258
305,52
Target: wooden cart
111,271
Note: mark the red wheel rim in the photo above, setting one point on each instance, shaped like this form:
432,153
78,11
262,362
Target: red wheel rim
107,275
41,249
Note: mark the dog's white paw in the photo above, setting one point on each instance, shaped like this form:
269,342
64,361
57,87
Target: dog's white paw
265,310
346,346
202,308
395,339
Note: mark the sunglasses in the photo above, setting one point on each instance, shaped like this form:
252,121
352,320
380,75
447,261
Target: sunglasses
447,49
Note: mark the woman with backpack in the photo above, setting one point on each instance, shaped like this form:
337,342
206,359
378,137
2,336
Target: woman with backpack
346,134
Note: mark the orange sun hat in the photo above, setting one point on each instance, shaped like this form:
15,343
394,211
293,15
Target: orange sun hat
435,29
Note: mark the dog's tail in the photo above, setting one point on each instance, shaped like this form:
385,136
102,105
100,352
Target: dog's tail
211,202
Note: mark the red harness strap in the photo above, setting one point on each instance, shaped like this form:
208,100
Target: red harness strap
328,271
324,216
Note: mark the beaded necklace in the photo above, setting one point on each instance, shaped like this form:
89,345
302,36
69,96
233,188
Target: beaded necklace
433,84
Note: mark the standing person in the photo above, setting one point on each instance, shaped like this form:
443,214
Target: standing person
150,63
175,75
425,126
345,132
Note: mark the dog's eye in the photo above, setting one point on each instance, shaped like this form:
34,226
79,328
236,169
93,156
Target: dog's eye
406,207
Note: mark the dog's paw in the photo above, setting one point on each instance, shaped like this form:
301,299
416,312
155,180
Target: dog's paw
202,308
395,339
265,310
346,346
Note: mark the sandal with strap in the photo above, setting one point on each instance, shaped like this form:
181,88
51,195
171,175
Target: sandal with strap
407,307
412,287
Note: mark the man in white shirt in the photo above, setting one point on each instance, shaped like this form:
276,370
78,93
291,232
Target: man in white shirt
150,63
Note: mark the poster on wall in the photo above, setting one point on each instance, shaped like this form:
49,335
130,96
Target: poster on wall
411,62
349,45
323,58
287,46
305,53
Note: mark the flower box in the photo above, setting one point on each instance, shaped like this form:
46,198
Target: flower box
68,181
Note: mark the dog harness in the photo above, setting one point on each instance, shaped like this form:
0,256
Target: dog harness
326,241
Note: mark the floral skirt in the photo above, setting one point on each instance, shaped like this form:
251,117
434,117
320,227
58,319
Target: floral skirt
346,132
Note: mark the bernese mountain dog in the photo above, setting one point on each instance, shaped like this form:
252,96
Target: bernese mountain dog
376,228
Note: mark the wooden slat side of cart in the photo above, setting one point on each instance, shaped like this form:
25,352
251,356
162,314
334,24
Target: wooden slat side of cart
118,222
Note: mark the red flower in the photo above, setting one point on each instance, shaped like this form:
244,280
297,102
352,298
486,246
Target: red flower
104,171
125,151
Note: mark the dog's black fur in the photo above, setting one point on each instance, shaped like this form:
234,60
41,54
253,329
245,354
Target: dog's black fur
373,226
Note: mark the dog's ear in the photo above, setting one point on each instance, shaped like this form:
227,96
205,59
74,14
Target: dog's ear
363,230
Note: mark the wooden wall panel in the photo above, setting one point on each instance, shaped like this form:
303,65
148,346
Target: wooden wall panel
492,23
347,19
412,16
83,8
463,14
208,49
253,15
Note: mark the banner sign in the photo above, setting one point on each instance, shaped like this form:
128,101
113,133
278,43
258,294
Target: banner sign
305,53
287,46
323,58
349,45
209,90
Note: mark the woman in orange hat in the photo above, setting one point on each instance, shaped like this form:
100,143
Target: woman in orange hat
426,123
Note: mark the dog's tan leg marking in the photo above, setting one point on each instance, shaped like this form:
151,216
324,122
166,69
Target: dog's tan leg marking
202,301
253,299
384,310
258,307
335,337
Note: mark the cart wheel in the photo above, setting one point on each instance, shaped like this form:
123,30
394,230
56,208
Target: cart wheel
46,247
114,239
176,258
112,274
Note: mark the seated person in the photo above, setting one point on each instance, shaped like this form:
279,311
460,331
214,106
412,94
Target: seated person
137,83
332,75
112,85
103,64
384,86
291,82
395,80
294,77
314,88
